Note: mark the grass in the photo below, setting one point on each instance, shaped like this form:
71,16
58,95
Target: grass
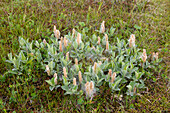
34,19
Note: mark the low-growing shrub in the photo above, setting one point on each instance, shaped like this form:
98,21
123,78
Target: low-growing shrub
79,63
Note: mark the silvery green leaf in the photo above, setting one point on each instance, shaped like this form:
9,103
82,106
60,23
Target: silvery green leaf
99,82
51,65
75,45
42,45
112,30
21,41
114,85
65,81
51,88
57,86
68,93
10,56
37,44
9,61
30,46
129,87
75,88
66,88
64,62
22,56
49,82
38,54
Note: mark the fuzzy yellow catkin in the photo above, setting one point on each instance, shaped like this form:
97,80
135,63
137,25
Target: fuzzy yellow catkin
80,77
102,27
55,78
110,72
107,45
67,56
95,66
74,32
48,70
55,75
56,32
61,39
45,42
64,71
60,46
132,40
65,42
106,37
98,42
74,81
76,61
144,56
78,38
87,88
91,86
155,55
113,77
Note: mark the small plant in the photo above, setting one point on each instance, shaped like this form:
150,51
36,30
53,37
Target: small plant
78,62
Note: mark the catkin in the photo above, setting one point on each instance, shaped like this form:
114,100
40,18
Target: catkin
60,46
80,77
74,81
64,71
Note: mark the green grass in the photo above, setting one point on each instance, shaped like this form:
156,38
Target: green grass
34,20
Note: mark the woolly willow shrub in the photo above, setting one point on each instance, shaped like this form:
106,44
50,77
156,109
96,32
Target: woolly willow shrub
79,63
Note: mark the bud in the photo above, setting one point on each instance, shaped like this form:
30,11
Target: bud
107,45
76,61
64,71
113,77
60,46
74,32
110,72
56,32
95,67
106,37
67,56
48,70
74,81
144,56
65,42
80,77
45,42
132,40
98,42
102,27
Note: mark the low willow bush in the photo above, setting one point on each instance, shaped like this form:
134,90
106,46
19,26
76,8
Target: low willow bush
81,64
